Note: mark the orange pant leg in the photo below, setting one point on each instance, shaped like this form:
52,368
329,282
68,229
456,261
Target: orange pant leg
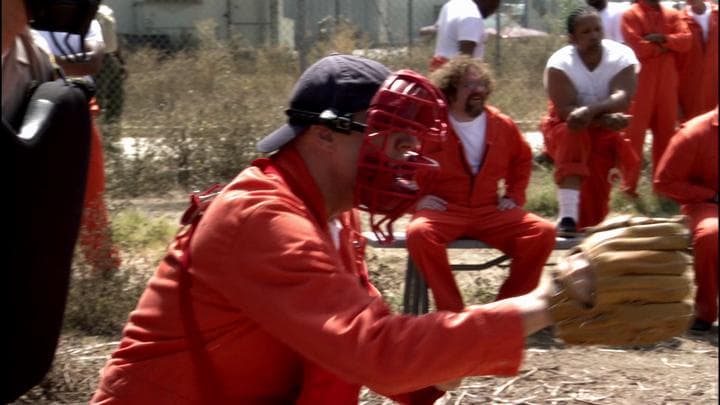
428,234
569,150
663,121
95,237
595,189
641,109
527,238
589,154
704,225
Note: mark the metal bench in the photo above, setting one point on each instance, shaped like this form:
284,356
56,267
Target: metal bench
415,294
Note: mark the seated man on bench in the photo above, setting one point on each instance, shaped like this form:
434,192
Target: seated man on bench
483,148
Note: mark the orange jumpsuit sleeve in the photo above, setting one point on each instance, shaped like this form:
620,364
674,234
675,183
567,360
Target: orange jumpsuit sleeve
680,38
677,35
280,268
676,170
520,168
633,33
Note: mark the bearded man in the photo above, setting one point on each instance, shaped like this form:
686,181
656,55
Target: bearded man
464,200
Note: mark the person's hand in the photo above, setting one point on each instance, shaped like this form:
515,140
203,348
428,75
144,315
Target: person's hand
449,385
431,202
579,118
615,121
505,203
656,37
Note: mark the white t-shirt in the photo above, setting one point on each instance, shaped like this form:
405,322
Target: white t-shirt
611,18
592,86
702,19
94,34
459,20
472,136
335,226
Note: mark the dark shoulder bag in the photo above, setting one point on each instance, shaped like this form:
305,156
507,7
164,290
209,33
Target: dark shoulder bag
45,164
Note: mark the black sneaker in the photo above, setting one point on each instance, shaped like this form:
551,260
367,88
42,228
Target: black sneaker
567,227
701,326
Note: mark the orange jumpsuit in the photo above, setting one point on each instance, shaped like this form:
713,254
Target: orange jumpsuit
472,212
95,234
655,103
688,173
698,68
280,315
590,154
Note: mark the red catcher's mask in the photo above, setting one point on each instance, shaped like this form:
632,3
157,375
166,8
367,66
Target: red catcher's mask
407,114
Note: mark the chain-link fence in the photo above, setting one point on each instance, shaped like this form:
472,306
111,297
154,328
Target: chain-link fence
196,82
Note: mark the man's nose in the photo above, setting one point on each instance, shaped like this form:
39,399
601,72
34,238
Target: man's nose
404,144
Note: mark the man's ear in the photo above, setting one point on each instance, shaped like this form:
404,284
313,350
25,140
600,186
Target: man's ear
322,137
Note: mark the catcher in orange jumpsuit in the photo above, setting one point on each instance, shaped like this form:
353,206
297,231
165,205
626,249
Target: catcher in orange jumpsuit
590,83
698,68
265,297
688,173
656,34
484,147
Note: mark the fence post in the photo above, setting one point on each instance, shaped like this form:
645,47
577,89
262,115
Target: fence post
497,43
410,23
300,35
274,18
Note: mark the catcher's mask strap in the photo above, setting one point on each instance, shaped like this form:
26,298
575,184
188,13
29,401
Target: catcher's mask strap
330,118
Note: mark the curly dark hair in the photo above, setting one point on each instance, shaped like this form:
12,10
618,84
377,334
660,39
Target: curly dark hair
450,75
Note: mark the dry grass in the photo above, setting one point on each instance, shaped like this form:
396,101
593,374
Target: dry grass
199,111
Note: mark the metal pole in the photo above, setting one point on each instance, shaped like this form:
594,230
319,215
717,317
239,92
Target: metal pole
410,23
337,11
497,43
274,22
526,14
228,19
300,34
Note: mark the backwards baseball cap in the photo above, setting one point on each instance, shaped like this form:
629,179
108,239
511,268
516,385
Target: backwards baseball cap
328,93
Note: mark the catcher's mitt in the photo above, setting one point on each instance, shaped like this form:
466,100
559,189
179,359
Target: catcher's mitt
639,290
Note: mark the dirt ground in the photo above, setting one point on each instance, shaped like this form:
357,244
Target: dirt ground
683,370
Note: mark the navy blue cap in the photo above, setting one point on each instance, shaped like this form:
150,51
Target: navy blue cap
344,84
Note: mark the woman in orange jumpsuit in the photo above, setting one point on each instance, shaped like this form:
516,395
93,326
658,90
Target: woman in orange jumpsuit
688,173
698,68
656,34
484,148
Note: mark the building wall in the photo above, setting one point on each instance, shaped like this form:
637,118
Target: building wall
273,22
